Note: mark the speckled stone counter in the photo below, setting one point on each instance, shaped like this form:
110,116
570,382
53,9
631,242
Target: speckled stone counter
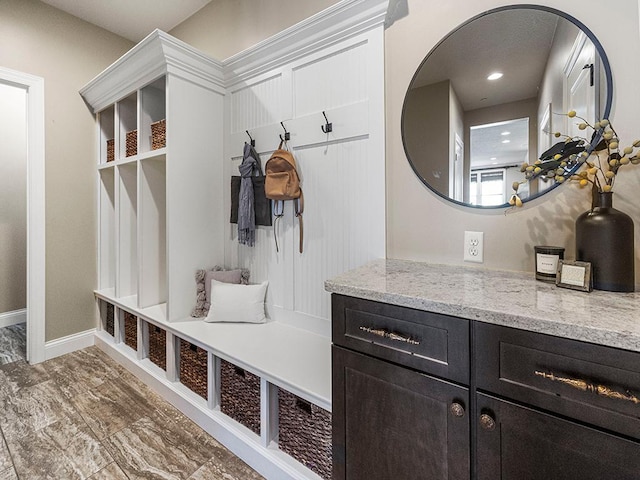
512,299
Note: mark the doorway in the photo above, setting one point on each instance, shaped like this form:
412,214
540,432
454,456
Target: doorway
29,91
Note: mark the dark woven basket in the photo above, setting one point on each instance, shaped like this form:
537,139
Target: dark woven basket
240,395
158,134
131,330
193,368
109,323
158,346
111,150
304,433
132,143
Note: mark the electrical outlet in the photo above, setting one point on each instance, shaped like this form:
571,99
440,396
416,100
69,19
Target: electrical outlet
474,247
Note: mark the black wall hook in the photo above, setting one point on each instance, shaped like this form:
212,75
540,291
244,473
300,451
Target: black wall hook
287,135
253,142
327,127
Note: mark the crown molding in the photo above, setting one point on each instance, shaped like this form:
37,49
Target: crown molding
342,20
157,54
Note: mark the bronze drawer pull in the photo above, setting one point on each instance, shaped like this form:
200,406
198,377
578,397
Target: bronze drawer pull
590,387
380,332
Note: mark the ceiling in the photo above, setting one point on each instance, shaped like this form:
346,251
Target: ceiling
131,19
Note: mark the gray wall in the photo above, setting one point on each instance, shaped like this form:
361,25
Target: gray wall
13,198
67,53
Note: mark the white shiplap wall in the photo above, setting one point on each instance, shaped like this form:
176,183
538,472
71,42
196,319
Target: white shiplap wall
342,172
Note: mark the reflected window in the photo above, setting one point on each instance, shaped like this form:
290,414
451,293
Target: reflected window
487,187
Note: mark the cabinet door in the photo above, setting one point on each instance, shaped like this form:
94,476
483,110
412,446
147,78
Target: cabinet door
390,422
518,443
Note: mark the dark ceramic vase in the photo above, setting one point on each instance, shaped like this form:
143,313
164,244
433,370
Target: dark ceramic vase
604,237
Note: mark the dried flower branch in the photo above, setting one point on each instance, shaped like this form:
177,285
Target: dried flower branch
601,162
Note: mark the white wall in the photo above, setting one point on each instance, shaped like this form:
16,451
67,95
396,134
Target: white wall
13,198
422,226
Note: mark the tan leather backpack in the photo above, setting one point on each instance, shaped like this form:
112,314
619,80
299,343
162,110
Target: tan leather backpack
283,183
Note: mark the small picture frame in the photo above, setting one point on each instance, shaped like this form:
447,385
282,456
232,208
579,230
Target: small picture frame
575,275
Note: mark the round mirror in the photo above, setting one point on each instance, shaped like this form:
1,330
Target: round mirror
489,96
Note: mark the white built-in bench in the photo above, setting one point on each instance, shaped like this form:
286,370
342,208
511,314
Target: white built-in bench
283,356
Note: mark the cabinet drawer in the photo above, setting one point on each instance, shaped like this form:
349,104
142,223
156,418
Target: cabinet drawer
592,383
429,342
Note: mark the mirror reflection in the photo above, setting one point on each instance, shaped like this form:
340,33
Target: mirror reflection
483,101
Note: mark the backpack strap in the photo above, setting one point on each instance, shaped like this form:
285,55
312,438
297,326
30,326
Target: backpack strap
278,212
299,206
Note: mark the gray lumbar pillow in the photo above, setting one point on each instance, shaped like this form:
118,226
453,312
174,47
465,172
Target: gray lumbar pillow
203,285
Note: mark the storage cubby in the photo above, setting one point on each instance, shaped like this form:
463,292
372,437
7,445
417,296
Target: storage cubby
194,368
152,256
127,283
130,324
107,134
107,237
240,395
157,346
153,114
107,317
304,432
128,121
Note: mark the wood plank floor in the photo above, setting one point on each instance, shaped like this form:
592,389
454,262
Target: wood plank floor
83,416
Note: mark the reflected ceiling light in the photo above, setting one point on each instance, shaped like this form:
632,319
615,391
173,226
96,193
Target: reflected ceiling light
506,141
494,76
505,133
493,158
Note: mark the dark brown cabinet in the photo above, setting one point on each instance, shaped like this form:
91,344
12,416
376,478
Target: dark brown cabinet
418,395
392,417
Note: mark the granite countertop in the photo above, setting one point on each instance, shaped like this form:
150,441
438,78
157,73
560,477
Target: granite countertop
513,299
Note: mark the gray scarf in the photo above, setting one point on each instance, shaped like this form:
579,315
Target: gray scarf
246,213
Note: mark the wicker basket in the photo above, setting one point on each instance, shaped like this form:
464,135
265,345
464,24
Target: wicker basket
305,433
240,395
111,150
132,143
131,330
158,134
158,346
193,368
108,323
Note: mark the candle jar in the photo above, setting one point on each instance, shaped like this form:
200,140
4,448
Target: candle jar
547,262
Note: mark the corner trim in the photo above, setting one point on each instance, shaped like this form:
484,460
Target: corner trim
70,343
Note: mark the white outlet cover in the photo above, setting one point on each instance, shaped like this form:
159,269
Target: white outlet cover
474,247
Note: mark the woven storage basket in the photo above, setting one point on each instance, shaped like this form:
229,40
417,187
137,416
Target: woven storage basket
111,150
131,330
193,368
132,143
158,346
240,395
304,433
109,324
158,134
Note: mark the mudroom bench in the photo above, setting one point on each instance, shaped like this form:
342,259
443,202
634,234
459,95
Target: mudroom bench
263,390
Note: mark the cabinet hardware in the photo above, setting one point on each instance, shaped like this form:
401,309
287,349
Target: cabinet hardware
590,387
456,409
487,422
380,332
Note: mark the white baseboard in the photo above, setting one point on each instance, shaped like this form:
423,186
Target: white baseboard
68,344
13,318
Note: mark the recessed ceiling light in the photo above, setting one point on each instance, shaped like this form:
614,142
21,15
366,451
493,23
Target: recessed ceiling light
494,76
506,141
505,133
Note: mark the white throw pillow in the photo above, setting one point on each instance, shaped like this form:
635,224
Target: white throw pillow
237,303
